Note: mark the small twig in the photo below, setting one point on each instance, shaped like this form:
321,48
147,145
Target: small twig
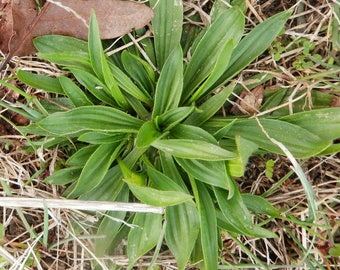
79,204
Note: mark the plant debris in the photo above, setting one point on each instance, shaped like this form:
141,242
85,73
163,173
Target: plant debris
21,21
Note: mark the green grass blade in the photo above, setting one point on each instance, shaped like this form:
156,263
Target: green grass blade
170,83
167,27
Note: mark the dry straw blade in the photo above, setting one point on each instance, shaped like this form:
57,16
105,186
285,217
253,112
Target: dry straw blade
79,205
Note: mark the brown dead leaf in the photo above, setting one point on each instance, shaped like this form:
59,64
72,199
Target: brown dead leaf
21,21
335,102
249,102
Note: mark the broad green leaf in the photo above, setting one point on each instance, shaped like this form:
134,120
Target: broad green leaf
90,118
167,27
144,236
170,169
332,149
101,138
274,99
335,250
253,44
80,157
208,225
75,94
173,117
219,134
96,168
26,112
210,107
235,211
110,225
211,172
64,176
139,70
58,43
130,176
170,83
259,205
228,26
182,131
182,230
111,185
147,134
108,189
46,83
193,149
138,107
257,230
245,149
57,104
74,59
100,64
217,71
161,181
299,141
157,197
96,87
128,86
324,123
95,48
261,232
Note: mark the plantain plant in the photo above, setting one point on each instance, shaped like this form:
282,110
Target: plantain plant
147,127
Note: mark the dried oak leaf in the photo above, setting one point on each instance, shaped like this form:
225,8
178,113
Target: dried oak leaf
21,21
249,102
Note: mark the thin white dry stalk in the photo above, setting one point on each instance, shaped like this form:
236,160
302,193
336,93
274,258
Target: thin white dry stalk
79,205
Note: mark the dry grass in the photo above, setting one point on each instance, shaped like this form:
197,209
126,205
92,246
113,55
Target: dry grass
26,231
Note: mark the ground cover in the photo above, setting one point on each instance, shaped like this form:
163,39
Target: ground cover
303,61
